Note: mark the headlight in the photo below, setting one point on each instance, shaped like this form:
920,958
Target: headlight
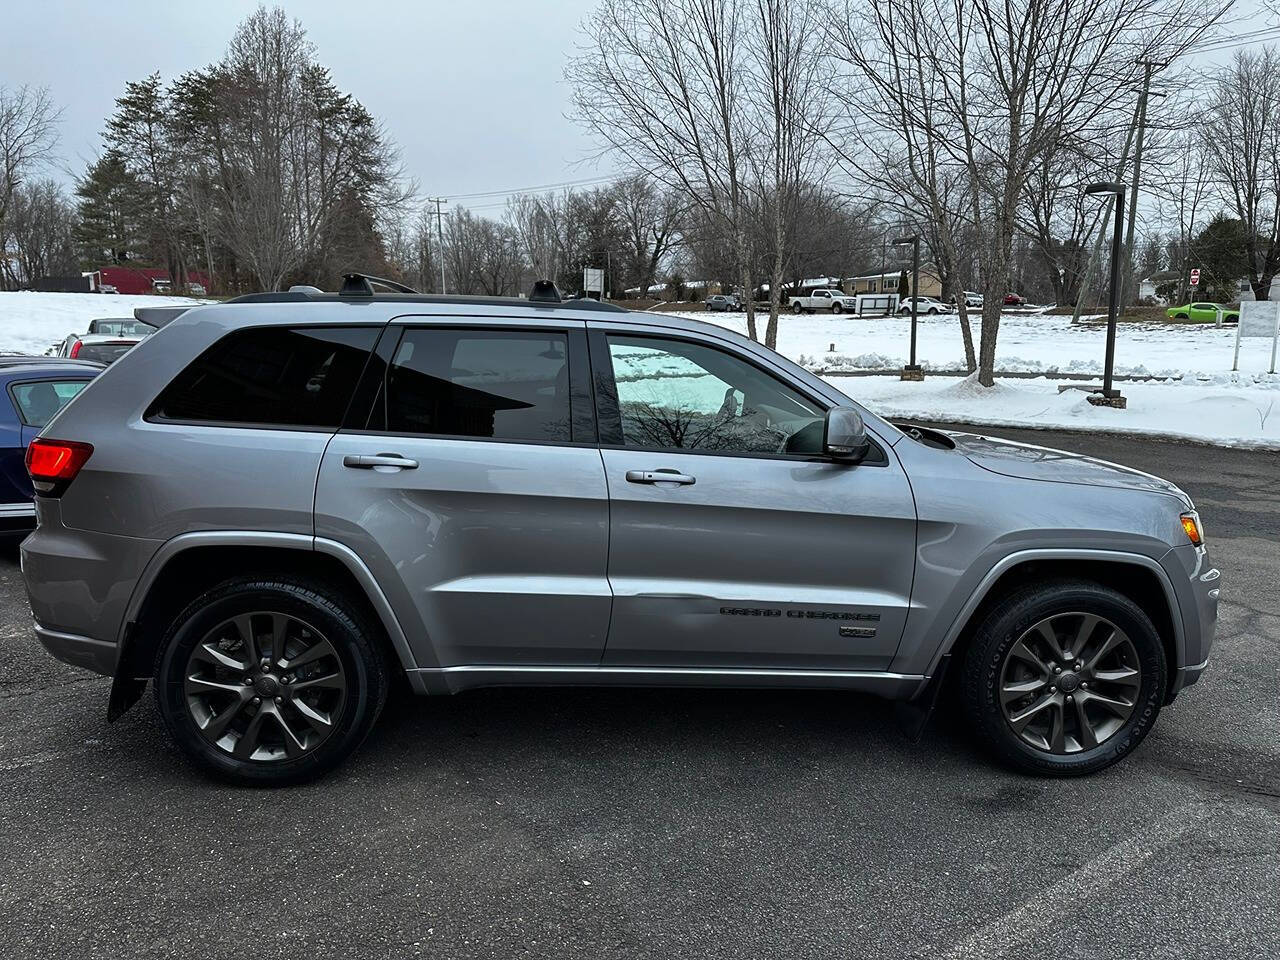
1191,527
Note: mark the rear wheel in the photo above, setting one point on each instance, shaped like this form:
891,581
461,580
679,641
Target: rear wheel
1064,678
797,308
270,682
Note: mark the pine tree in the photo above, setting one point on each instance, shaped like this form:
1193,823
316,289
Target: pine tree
107,200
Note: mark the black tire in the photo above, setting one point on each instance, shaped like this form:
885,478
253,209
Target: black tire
1004,626
933,310
797,308
336,619
835,308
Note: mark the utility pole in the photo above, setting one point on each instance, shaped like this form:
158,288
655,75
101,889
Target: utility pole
440,233
1094,254
1126,278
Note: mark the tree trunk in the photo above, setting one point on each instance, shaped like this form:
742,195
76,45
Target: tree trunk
748,289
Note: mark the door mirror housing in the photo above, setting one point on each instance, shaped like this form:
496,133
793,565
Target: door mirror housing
844,436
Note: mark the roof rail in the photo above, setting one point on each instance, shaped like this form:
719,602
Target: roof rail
545,291
361,285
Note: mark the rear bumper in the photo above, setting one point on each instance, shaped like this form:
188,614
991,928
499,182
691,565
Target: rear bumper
96,655
79,583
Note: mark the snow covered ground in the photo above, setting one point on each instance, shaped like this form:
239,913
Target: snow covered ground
32,322
1029,343
1205,402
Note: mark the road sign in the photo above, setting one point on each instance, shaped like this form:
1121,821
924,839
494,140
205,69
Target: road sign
592,280
1258,318
1195,277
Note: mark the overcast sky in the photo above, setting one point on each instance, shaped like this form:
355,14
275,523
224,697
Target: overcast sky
471,90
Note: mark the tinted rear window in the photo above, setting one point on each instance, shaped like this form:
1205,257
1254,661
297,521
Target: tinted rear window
38,402
103,352
271,376
509,385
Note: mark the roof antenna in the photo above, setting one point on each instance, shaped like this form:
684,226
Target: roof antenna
544,291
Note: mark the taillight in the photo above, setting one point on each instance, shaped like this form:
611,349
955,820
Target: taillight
75,348
53,464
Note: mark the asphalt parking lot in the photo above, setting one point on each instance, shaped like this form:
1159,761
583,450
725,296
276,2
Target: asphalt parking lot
579,823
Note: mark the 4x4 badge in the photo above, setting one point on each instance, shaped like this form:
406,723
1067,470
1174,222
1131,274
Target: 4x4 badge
860,632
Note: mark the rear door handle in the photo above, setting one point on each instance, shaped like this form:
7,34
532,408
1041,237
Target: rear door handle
659,476
369,461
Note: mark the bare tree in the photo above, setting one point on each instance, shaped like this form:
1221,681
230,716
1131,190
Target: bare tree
662,83
38,231
1242,140
992,84
789,89
28,139
650,218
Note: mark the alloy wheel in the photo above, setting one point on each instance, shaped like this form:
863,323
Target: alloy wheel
1070,683
265,686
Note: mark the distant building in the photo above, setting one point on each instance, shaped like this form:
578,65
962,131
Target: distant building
145,279
930,285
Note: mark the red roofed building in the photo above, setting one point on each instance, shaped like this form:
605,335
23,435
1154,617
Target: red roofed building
142,279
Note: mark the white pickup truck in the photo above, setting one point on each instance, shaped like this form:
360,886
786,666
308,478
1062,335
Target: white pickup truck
824,299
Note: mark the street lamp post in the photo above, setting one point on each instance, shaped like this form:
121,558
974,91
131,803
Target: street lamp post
912,370
1110,397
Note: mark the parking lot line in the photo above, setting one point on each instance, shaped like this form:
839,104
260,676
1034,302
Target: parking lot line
1058,902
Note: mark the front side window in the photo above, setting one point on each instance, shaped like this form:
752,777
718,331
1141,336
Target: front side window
499,384
38,402
673,394
271,376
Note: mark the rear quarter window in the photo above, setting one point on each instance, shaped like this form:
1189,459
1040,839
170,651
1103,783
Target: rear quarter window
37,402
271,376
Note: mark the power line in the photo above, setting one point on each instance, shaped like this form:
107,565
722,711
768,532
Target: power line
545,186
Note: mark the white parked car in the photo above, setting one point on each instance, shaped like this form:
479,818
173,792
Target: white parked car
926,305
836,301
972,299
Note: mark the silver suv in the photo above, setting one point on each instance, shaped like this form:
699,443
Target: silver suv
273,505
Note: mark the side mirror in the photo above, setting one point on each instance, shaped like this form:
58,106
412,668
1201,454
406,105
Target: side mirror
844,435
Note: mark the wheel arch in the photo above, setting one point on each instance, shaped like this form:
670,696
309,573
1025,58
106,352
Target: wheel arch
189,564
1140,578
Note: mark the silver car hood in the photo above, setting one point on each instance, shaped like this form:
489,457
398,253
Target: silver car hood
1012,459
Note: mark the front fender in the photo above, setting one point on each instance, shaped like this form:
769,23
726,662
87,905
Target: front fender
926,656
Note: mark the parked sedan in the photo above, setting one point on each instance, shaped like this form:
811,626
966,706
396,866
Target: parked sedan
35,388
1013,300
723,303
1204,313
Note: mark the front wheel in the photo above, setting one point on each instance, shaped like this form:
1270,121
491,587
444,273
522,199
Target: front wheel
268,682
835,308
1064,678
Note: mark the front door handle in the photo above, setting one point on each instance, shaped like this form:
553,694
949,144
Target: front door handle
369,462
659,476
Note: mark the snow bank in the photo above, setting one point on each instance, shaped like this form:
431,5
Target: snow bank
33,322
1228,410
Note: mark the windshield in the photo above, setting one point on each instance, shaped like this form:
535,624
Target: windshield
122,328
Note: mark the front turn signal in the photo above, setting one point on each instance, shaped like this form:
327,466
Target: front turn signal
1191,526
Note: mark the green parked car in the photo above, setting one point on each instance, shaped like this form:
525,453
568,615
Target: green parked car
1204,313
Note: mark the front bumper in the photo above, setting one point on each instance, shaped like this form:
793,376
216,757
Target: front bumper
96,655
